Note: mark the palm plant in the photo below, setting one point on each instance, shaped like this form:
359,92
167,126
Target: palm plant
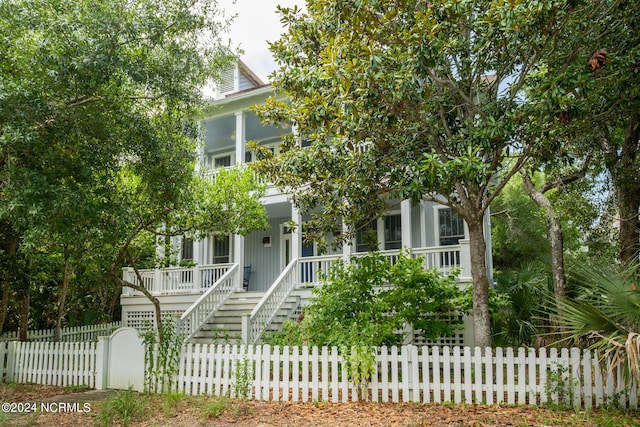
606,317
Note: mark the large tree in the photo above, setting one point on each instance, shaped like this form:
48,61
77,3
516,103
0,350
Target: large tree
409,99
92,92
590,86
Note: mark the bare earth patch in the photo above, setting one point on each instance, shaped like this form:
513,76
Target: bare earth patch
192,411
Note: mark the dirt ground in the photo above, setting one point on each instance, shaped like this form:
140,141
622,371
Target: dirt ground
82,409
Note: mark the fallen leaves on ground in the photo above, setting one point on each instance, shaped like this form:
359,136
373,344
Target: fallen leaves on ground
188,411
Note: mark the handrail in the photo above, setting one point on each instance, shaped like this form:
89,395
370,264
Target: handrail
264,312
206,306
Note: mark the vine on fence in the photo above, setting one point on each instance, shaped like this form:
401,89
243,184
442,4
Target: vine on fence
161,358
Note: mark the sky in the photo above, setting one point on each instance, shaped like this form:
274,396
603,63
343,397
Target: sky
256,22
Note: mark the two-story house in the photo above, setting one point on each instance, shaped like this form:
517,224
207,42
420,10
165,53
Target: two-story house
237,286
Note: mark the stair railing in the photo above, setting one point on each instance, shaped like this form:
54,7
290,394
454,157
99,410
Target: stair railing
208,304
254,325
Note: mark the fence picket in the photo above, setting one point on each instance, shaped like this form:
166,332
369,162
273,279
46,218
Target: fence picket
522,378
488,369
324,385
384,372
295,361
335,385
468,376
457,380
426,378
305,374
446,374
477,365
414,374
314,373
435,360
511,389
533,387
276,373
395,392
499,376
405,376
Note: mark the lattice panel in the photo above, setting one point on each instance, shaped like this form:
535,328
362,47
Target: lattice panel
141,320
456,339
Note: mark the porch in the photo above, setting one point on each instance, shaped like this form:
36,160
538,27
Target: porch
212,300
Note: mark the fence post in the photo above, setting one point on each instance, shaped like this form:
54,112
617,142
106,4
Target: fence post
12,349
102,363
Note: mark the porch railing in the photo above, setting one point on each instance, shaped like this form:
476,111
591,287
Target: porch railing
175,280
206,306
254,325
445,259
312,268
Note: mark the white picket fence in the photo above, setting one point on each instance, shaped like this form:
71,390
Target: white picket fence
406,374
409,374
59,363
70,334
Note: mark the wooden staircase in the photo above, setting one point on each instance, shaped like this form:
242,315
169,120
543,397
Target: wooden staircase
226,326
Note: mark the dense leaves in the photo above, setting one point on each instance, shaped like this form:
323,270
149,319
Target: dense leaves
97,137
356,305
409,100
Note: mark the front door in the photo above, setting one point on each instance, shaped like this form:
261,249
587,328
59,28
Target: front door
285,246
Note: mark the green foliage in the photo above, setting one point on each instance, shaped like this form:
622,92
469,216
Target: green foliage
606,316
356,304
366,304
97,132
243,378
161,358
360,365
123,408
517,302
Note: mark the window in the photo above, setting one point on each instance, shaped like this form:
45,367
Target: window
221,162
367,237
450,226
248,156
187,249
220,250
393,232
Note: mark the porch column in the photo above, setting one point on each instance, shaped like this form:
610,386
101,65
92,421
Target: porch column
296,234
346,247
240,137
238,256
465,261
197,259
423,224
405,222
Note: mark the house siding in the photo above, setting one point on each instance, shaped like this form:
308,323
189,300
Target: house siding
264,261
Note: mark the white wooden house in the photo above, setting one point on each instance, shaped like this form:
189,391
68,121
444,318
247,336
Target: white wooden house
241,286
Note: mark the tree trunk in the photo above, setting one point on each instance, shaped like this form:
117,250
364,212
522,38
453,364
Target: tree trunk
4,304
555,235
150,297
622,163
66,277
481,320
23,323
628,206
